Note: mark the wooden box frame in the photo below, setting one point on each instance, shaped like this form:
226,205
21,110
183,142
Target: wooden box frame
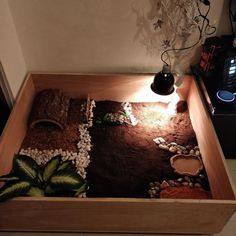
116,214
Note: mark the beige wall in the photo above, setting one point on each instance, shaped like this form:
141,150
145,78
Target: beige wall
11,55
85,35
79,35
224,23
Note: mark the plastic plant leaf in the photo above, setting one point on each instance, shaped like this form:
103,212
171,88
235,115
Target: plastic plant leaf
35,192
99,120
49,190
51,167
14,189
67,165
83,188
8,178
123,113
66,180
27,168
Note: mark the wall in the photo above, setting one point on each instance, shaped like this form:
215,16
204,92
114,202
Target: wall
79,36
82,36
11,55
224,23
85,35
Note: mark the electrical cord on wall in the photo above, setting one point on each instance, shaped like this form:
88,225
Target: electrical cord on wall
203,28
231,15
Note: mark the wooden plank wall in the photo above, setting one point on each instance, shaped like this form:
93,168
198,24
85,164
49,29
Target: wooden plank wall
213,157
16,126
117,87
115,215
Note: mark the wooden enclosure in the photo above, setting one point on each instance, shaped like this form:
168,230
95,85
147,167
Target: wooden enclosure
117,214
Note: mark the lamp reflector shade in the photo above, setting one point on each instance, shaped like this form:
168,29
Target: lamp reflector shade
163,83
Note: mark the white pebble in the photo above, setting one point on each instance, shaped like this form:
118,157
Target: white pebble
173,144
159,140
192,152
197,153
173,149
181,147
164,147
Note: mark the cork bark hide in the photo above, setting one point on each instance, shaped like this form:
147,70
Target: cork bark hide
50,106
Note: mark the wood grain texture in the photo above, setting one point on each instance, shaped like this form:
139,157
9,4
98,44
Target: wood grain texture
117,87
212,155
16,126
116,215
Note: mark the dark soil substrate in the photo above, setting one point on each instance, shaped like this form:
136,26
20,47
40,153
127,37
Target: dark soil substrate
125,159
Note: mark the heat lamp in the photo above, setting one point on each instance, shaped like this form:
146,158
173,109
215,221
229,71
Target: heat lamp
163,83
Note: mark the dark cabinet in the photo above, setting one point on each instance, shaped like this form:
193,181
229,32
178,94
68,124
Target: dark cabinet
223,115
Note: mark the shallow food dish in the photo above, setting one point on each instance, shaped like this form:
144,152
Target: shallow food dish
190,165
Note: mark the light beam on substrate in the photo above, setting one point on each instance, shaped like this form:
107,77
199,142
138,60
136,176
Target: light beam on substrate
163,109
171,107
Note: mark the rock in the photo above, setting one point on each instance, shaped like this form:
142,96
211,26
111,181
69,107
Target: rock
198,180
163,146
188,147
154,191
185,183
151,184
181,147
201,176
179,151
164,184
177,184
157,188
173,149
157,184
197,185
191,184
134,122
180,180
173,144
187,178
171,182
197,153
191,152
185,152
181,106
159,140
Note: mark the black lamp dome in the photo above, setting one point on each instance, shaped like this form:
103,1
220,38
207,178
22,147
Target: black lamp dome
163,83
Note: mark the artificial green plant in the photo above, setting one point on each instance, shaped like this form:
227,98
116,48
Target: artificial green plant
27,178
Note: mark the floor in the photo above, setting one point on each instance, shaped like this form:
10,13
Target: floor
229,229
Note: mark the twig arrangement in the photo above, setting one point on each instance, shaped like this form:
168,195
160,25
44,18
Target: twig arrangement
172,26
